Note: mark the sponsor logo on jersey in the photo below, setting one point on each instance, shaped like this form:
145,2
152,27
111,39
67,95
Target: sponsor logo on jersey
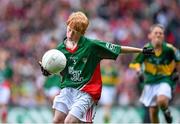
111,46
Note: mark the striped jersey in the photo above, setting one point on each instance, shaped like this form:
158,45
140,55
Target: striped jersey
82,70
159,67
109,75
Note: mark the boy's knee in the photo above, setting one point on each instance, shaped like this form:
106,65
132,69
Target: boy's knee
71,119
162,101
58,117
57,120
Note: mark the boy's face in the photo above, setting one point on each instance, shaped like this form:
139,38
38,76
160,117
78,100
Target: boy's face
72,34
156,36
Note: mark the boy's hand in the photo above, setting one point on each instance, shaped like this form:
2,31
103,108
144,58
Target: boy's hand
44,72
148,51
140,77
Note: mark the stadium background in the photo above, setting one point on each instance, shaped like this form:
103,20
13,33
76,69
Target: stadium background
30,27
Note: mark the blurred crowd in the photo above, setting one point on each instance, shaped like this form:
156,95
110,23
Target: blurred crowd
28,28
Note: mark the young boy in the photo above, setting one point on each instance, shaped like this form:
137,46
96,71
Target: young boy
81,79
158,71
109,74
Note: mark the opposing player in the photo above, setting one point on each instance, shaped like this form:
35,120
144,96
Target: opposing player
158,71
81,79
110,80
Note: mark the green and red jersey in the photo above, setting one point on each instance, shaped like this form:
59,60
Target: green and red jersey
83,64
159,67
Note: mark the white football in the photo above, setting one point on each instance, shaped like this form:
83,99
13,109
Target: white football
54,61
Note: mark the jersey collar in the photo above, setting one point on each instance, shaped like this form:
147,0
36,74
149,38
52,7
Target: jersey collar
80,43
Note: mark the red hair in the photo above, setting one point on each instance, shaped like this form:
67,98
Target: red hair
78,21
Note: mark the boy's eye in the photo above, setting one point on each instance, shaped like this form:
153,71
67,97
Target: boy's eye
72,30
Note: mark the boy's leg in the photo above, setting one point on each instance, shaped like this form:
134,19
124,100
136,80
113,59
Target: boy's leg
146,115
71,119
78,115
153,114
60,106
163,103
107,99
163,97
60,111
82,110
59,117
107,113
73,106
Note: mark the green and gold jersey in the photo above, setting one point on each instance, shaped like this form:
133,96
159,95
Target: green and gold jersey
83,64
109,75
159,67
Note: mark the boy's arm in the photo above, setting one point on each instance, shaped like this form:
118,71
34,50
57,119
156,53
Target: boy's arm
127,49
178,67
176,73
136,65
145,50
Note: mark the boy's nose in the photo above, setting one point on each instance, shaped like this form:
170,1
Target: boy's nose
71,33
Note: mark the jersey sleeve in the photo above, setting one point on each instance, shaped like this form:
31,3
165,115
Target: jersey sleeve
139,58
136,63
105,50
176,52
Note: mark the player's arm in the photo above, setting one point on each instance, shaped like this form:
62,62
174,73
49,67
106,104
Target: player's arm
137,68
145,50
176,73
177,60
176,55
136,65
106,50
127,49
178,69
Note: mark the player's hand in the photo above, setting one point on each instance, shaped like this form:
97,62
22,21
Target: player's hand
44,72
148,51
140,77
